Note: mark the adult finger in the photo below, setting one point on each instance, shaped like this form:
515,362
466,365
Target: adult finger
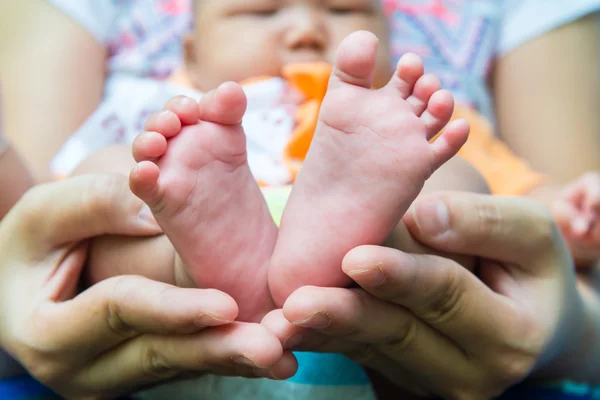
235,349
357,316
446,297
512,230
120,308
301,339
384,337
53,214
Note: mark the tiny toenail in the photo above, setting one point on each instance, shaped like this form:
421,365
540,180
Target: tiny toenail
368,276
187,101
293,341
243,360
167,114
316,321
431,217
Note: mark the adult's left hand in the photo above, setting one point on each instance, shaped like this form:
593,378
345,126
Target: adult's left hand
121,334
431,326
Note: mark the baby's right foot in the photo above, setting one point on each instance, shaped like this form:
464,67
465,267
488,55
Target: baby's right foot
197,182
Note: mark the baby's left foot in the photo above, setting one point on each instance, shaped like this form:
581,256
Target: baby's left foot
368,161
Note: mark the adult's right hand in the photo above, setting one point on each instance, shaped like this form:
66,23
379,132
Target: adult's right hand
124,333
431,327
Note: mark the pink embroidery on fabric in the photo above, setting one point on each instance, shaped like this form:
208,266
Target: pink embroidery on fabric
436,8
174,7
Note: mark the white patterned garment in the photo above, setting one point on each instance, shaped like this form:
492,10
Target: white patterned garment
268,123
458,39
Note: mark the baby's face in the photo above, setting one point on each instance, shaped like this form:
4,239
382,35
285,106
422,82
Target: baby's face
238,39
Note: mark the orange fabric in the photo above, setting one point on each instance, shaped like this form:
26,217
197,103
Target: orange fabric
312,80
505,173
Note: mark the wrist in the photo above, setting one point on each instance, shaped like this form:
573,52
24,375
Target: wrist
575,354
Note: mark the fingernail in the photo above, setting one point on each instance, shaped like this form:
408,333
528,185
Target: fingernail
316,321
208,319
145,215
265,373
370,276
431,217
293,341
243,360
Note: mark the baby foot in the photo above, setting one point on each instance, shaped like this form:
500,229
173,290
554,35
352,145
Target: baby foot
368,161
197,182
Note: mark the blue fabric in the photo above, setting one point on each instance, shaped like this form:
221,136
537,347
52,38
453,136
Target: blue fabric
328,370
562,391
24,388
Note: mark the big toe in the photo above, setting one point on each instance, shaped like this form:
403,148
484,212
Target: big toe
226,105
355,60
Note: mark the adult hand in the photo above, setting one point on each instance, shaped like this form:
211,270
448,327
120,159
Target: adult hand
123,333
433,327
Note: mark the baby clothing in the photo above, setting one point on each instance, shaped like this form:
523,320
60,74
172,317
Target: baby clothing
279,123
458,40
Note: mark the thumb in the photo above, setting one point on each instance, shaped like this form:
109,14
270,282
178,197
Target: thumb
512,230
77,208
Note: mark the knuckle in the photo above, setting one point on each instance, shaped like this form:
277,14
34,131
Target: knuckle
404,337
489,221
114,316
103,191
447,302
154,365
363,353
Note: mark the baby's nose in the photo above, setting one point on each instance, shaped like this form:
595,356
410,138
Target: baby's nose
306,30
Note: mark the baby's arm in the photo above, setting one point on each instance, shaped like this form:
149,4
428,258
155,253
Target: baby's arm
576,208
14,177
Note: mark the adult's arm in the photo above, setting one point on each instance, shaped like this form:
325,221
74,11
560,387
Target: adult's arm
14,178
52,73
547,94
